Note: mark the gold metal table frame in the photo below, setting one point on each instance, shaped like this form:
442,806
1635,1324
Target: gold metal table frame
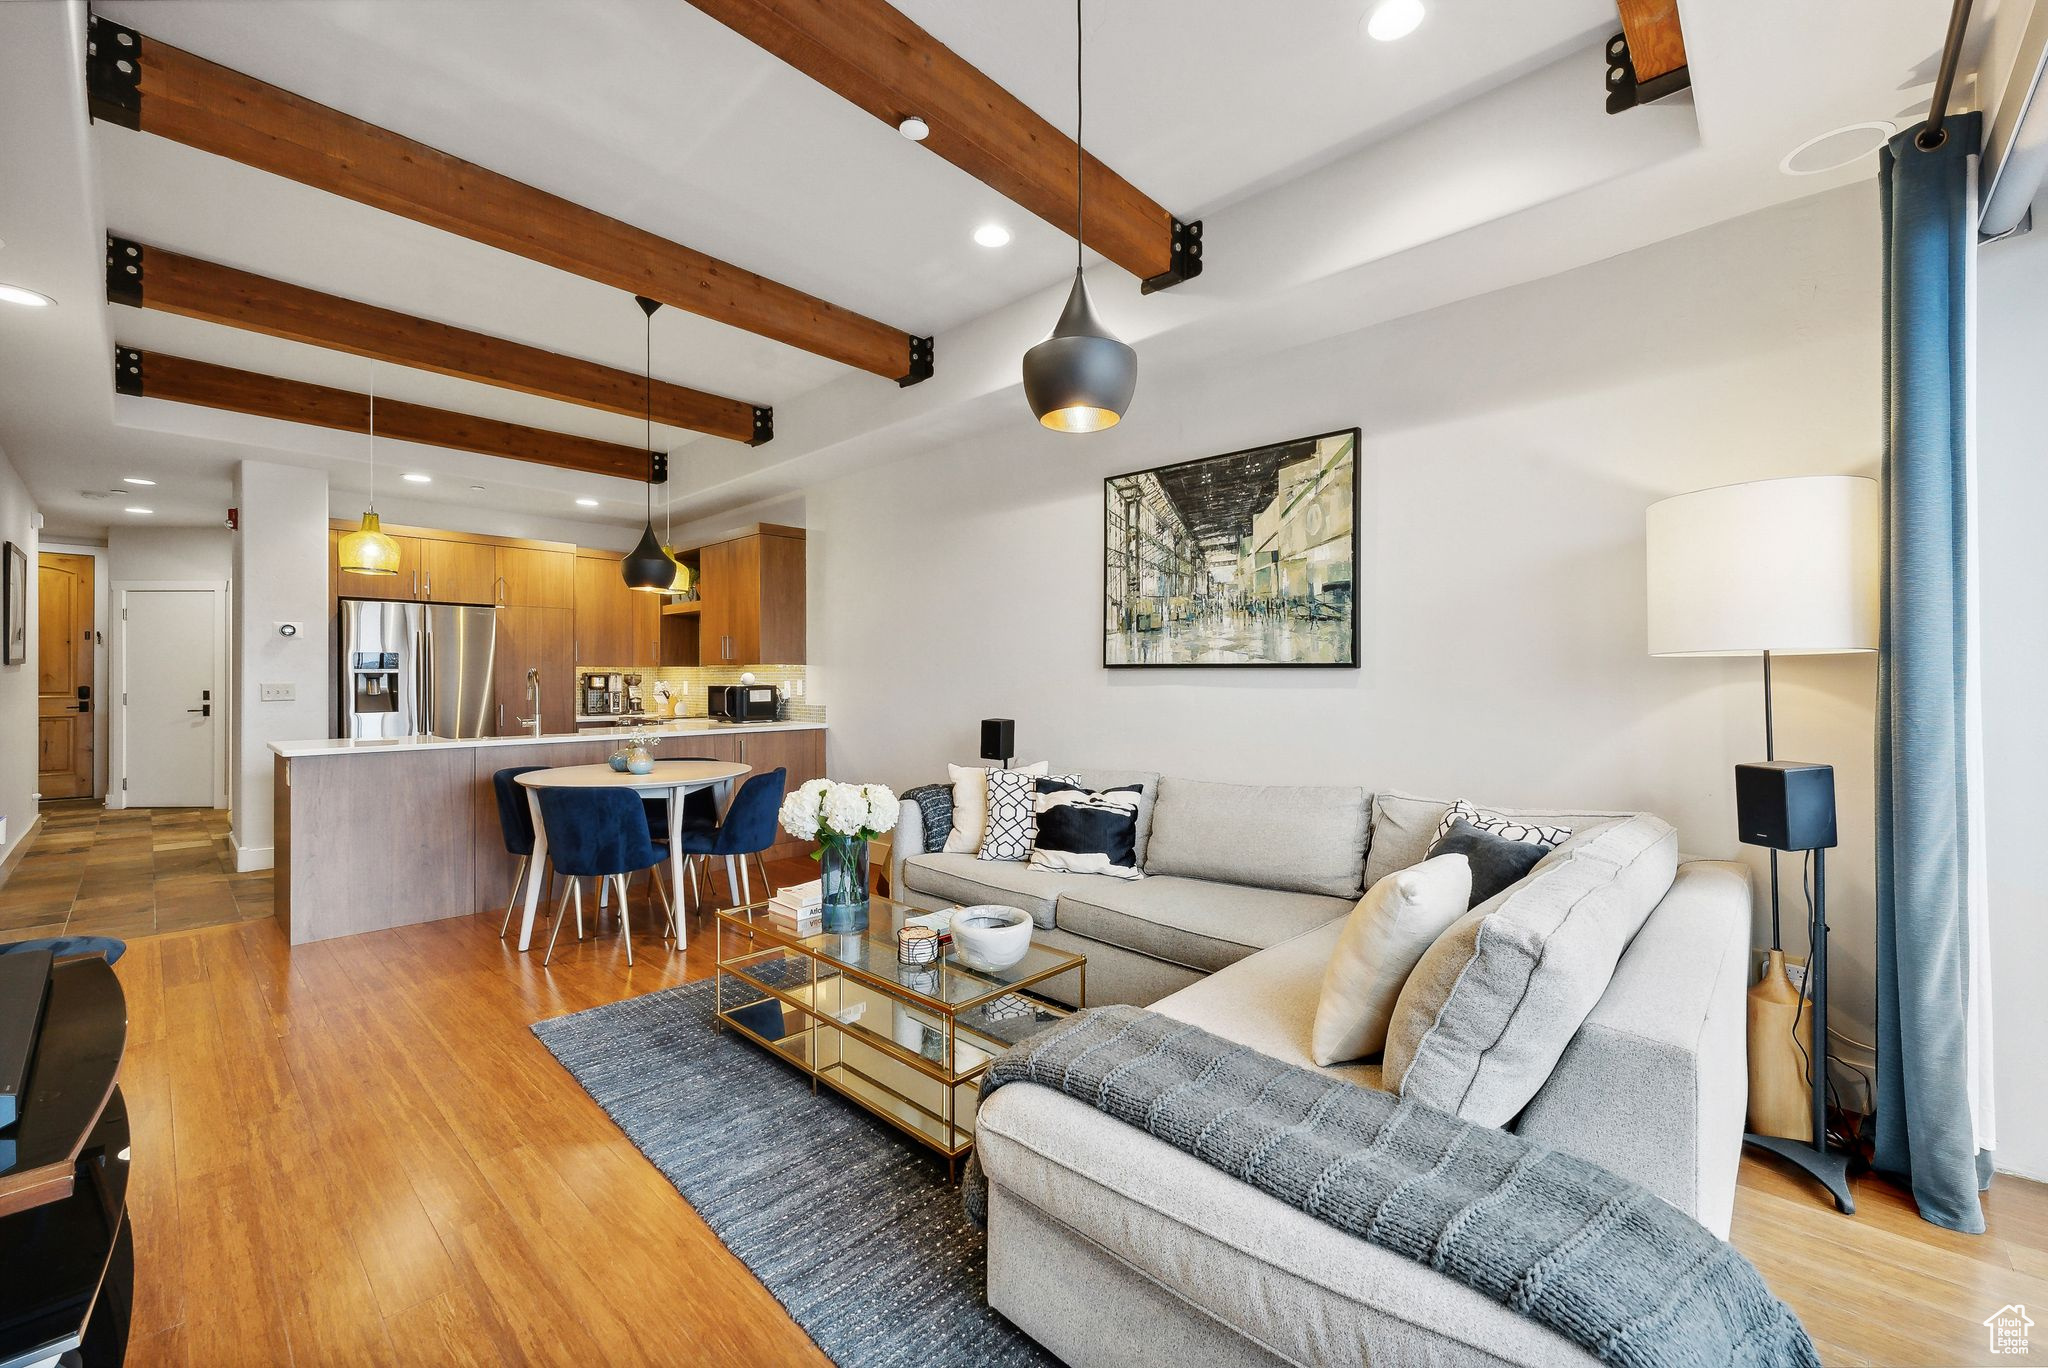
907,1043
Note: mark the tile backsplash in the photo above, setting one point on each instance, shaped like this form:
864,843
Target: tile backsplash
691,685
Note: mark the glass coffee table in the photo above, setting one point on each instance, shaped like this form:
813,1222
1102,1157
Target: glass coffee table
907,1042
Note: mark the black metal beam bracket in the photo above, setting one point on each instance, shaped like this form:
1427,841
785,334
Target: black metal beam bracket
1624,91
920,362
125,261
1187,258
113,72
657,467
764,426
127,371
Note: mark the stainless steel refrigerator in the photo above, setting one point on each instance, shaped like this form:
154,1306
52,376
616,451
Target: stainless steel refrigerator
416,669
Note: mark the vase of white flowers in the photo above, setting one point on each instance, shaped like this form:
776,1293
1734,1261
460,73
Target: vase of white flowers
842,819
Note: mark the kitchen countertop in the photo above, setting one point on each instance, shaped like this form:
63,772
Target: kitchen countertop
684,727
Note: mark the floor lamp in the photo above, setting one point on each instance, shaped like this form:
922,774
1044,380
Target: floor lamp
1773,567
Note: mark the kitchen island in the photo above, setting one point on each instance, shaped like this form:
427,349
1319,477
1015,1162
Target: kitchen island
376,834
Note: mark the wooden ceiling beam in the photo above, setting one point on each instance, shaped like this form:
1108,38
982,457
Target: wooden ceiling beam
157,375
873,55
144,84
1656,43
155,278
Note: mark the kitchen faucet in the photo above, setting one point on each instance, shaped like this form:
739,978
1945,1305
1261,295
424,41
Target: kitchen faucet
533,693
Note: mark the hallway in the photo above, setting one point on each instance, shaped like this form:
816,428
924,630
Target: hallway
128,873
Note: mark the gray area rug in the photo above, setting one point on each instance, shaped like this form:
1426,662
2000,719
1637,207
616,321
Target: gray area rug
849,1224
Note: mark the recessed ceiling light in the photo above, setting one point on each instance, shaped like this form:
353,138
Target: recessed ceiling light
1391,19
133,509
586,503
915,129
136,480
15,294
992,235
1837,148
414,477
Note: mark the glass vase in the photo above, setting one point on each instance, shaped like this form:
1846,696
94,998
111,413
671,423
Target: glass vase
843,884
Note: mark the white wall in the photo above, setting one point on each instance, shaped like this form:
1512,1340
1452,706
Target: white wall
170,553
280,574
1511,444
2012,497
18,682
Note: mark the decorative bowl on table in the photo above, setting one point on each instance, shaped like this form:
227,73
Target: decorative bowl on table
990,937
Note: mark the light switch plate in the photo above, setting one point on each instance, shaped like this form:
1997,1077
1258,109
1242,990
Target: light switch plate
279,693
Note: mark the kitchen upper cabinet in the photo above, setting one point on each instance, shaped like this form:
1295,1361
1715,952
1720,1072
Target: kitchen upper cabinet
532,578
604,611
645,612
752,594
458,572
535,638
403,585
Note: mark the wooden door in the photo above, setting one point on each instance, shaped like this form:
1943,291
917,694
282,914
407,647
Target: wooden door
715,592
604,623
458,571
531,578
64,697
403,585
543,639
802,753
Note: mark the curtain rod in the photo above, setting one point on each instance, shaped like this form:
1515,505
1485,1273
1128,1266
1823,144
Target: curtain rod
1934,135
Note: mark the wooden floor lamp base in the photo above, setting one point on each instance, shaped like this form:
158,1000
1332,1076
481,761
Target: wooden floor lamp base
1778,1055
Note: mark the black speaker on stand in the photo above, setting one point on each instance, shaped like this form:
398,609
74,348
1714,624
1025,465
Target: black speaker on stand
999,739
1788,805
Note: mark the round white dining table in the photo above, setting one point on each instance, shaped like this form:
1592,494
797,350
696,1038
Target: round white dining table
670,778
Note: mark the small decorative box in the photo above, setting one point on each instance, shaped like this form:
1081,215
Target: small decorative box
917,945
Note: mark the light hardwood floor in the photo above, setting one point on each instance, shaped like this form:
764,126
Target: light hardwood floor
356,1152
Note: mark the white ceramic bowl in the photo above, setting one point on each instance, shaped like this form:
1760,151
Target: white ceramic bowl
991,937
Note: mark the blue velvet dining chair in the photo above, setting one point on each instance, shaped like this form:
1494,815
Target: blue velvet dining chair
748,829
600,833
515,819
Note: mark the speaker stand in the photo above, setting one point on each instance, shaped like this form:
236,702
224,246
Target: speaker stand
1829,1167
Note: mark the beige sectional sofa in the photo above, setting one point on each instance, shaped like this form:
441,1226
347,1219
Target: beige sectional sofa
1110,1247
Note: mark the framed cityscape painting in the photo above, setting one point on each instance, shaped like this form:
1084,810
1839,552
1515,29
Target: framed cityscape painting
1241,559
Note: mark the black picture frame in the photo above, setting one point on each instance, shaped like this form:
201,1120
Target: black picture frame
14,606
1125,642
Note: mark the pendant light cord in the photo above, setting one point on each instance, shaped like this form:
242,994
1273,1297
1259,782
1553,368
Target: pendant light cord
1080,110
373,439
650,419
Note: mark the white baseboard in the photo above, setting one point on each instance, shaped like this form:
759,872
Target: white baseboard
249,858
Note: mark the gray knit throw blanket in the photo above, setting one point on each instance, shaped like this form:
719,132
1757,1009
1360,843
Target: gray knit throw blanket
1593,1256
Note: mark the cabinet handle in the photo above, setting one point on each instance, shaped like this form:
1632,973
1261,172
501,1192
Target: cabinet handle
498,589
415,582
430,584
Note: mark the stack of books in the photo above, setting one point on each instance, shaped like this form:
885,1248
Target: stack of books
798,908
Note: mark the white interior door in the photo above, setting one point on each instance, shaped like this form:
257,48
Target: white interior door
172,698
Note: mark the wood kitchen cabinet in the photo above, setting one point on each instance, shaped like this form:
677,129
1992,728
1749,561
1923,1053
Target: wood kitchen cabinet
752,600
535,638
532,578
458,571
604,611
403,585
802,753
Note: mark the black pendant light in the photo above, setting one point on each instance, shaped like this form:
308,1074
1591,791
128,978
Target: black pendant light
647,566
1081,378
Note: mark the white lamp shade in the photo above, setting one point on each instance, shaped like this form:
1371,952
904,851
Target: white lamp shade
1787,566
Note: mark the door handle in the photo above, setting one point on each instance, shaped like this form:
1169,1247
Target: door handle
204,710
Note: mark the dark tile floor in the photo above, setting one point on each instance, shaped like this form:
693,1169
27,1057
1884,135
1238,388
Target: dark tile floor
130,873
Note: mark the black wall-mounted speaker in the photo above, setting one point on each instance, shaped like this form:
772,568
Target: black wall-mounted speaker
998,739
1786,805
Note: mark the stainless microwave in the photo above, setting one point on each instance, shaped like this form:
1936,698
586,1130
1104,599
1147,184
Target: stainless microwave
742,702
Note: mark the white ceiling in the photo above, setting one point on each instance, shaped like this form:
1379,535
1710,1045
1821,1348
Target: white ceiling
1329,168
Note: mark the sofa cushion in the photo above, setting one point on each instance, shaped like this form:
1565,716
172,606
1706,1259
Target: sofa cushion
1191,922
1404,826
1305,839
1087,831
1487,1013
1495,862
969,879
1148,785
970,805
1398,919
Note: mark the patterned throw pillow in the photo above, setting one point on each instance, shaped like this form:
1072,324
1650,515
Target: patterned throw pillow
1012,814
1501,825
970,805
1084,832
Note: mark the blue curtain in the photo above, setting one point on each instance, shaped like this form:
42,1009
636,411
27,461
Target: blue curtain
1927,1054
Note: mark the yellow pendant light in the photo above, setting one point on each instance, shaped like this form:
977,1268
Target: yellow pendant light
367,551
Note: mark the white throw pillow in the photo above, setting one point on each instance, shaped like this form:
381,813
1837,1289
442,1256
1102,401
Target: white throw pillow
1507,826
970,806
1383,940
